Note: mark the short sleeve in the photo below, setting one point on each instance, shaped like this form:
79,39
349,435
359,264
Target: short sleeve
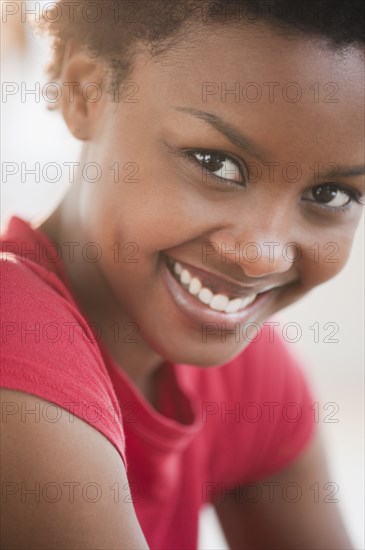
49,350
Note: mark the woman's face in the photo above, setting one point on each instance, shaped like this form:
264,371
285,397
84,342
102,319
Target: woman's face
238,155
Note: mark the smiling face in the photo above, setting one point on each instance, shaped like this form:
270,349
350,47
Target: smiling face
242,189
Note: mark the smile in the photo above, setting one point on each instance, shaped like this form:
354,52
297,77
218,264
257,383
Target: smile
207,295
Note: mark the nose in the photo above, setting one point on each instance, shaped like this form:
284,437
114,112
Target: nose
260,256
264,257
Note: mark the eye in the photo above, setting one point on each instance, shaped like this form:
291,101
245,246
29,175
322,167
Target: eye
332,196
219,165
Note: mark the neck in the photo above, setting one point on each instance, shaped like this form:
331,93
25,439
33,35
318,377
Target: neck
98,304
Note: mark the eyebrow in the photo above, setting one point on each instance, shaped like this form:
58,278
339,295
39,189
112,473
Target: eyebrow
239,139
343,171
234,135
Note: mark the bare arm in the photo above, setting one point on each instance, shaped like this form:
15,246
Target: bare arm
310,522
70,468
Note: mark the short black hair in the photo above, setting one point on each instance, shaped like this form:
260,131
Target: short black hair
111,28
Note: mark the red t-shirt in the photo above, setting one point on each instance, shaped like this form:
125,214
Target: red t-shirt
214,428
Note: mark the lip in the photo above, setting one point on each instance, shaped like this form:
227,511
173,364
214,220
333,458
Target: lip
198,313
221,284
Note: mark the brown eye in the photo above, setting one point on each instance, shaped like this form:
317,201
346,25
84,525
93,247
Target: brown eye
329,195
220,165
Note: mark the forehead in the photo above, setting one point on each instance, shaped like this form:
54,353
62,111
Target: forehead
279,89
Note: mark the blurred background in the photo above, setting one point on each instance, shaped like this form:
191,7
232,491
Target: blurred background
31,133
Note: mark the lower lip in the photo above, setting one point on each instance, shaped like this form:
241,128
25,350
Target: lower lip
199,313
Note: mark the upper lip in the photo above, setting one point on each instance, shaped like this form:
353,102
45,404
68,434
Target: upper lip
223,283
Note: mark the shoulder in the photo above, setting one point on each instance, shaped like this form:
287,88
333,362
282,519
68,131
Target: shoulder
48,349
62,481
40,321
26,282
39,314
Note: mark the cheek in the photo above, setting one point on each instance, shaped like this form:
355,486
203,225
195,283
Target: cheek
324,260
153,207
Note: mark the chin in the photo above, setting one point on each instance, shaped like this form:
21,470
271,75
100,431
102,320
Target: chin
199,354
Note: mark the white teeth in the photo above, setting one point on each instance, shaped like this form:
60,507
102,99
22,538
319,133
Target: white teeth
219,302
248,300
205,295
233,305
177,268
185,277
195,286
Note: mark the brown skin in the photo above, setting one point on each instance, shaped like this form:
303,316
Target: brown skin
311,522
171,210
35,451
170,192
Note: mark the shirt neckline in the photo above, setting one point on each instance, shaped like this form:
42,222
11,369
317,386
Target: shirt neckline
147,422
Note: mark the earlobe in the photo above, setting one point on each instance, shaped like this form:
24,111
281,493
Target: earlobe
80,73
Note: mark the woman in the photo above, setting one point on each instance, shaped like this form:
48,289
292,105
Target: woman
222,152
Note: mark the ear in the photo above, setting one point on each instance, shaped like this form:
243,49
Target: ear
83,93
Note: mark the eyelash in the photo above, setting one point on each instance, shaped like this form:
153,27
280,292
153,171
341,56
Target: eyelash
353,194
190,155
